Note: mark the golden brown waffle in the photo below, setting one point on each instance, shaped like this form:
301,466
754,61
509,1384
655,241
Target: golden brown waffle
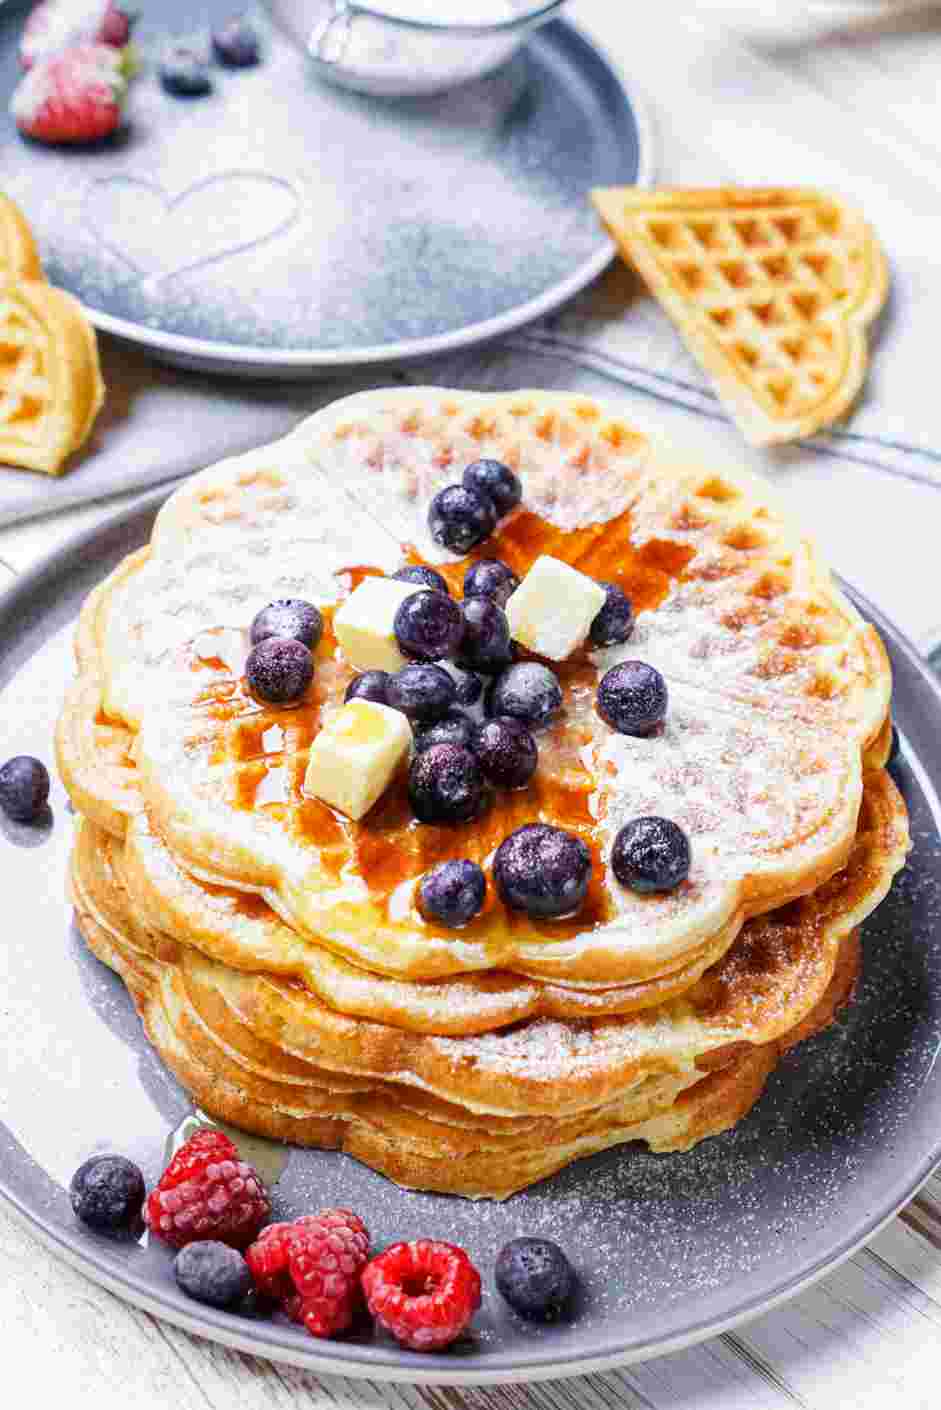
772,291
488,1116
19,257
50,381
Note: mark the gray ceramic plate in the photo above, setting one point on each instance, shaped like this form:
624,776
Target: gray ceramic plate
282,226
670,1249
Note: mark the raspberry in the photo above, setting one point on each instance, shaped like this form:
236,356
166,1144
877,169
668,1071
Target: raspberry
312,1268
207,1192
424,1292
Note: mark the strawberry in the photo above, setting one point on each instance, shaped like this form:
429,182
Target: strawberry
74,96
54,25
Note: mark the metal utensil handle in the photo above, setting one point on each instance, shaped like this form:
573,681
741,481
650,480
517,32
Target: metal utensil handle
330,35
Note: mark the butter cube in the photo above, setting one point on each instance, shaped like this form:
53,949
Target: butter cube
553,607
353,758
363,625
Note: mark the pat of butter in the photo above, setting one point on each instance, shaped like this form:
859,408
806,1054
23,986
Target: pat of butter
553,607
364,624
353,758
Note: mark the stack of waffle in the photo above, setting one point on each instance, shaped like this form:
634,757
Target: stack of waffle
275,950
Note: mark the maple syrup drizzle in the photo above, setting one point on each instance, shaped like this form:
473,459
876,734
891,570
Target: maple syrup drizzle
390,846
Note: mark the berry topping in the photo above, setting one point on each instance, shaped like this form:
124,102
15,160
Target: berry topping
370,685
460,519
535,1277
615,622
422,577
495,480
468,685
424,1292
107,1192
184,72
453,728
207,1192
542,870
506,750
445,784
529,691
490,578
423,693
312,1268
24,788
72,97
288,617
279,670
235,43
650,854
486,646
632,698
213,1273
428,625
452,892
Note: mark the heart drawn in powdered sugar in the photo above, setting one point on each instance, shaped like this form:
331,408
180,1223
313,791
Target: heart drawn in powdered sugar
158,235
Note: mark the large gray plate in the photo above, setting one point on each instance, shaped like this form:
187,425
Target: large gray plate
282,226
671,1249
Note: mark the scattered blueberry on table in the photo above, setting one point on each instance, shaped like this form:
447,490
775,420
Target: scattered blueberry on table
535,1277
212,1273
184,72
235,43
24,788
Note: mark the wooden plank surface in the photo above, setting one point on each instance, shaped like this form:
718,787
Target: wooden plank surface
869,1335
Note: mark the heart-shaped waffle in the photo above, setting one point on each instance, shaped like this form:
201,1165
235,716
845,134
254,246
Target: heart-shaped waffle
50,381
772,291
19,257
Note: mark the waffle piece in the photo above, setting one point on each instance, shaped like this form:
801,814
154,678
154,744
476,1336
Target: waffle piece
487,1116
772,291
19,257
50,381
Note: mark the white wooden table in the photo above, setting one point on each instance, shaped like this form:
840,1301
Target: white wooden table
863,117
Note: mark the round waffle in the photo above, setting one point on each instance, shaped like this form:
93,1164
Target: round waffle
489,1115
779,692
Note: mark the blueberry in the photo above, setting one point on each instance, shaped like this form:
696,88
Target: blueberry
632,698
235,43
535,1277
615,622
460,519
468,686
506,750
445,784
185,73
452,893
490,578
423,693
288,617
424,577
428,625
369,685
213,1273
279,670
542,870
486,644
452,728
107,1192
24,788
529,691
650,854
497,481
